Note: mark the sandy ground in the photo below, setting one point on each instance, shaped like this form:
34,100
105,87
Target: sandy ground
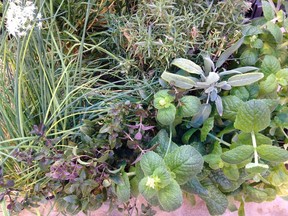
278,207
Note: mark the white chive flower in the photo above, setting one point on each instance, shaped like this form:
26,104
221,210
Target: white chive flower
21,17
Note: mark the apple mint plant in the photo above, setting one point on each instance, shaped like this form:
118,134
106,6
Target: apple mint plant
166,171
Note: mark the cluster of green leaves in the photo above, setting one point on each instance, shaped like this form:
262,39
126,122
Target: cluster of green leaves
163,177
243,138
264,44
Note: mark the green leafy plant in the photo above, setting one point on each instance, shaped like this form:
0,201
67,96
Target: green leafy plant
209,81
163,174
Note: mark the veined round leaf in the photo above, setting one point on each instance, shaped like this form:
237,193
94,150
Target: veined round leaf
231,105
147,192
166,116
170,197
178,80
256,168
189,106
231,172
185,162
123,190
164,177
281,119
267,10
238,154
255,195
270,65
163,99
258,43
282,77
245,139
245,79
275,31
216,201
249,57
272,153
240,92
268,85
278,176
150,162
254,115
215,162
187,65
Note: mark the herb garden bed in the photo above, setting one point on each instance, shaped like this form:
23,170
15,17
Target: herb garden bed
105,101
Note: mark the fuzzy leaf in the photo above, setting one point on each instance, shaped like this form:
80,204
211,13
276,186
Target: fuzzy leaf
238,70
256,168
241,92
275,31
123,190
245,79
150,162
206,128
178,80
249,30
245,139
272,153
187,66
164,176
189,106
249,57
163,99
238,154
147,192
255,195
216,201
267,10
185,162
231,105
162,139
258,44
270,65
227,53
214,160
268,85
170,197
231,172
282,77
166,116
193,186
253,115
208,64
201,116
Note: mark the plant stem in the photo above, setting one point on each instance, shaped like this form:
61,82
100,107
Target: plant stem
255,146
170,139
284,132
220,140
131,173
